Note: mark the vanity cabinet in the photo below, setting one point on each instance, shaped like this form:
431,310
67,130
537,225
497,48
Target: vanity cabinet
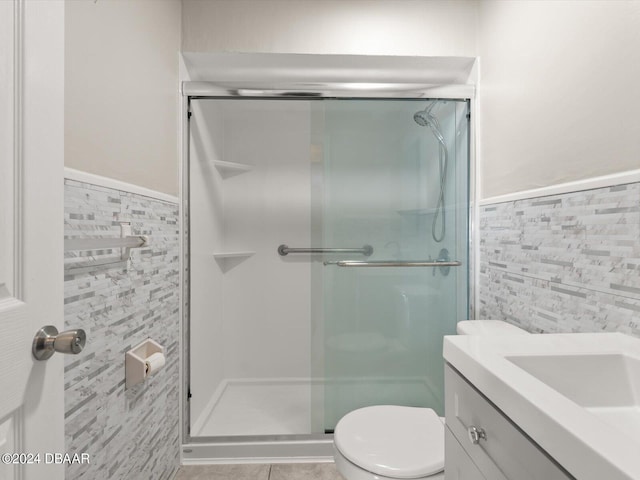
482,443
461,467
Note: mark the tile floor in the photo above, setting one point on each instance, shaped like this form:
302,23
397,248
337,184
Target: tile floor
294,471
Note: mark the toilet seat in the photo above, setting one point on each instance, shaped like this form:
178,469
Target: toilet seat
392,442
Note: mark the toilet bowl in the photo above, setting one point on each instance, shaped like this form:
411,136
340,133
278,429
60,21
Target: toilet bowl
389,442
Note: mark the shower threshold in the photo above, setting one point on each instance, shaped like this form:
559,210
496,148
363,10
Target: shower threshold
270,420
311,450
258,421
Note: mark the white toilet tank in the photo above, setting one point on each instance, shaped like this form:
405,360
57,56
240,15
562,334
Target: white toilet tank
488,327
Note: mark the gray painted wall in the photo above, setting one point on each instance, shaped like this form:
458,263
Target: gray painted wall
121,90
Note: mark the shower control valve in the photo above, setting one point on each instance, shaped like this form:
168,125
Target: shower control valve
443,256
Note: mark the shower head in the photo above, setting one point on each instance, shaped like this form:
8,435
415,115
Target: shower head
424,118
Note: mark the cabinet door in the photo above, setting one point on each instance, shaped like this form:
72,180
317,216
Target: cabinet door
505,452
458,465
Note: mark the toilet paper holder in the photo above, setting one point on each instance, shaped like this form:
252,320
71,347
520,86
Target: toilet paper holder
139,364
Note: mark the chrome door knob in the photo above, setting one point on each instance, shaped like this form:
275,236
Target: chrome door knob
476,434
48,341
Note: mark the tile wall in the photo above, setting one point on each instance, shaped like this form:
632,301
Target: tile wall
563,263
129,433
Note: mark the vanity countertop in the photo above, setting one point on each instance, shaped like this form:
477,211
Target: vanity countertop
576,395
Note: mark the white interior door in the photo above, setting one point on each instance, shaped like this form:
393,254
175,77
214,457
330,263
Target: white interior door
31,234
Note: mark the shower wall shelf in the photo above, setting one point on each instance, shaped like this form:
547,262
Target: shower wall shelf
424,211
222,255
229,169
228,260
418,211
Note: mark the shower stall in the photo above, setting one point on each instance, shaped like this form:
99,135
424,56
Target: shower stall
326,250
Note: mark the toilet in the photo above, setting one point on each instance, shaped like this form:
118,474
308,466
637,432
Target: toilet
389,442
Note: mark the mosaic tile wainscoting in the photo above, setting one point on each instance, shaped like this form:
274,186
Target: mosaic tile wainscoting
129,433
563,263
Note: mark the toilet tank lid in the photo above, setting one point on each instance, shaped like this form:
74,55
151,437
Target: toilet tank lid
488,327
393,441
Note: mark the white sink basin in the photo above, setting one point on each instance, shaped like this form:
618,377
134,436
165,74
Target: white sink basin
576,395
607,385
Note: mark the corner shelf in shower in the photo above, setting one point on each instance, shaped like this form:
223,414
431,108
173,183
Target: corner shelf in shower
233,254
424,211
229,169
228,260
418,211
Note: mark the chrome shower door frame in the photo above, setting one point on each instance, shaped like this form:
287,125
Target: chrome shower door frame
282,448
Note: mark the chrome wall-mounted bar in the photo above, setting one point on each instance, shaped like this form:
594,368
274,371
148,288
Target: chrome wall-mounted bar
392,263
285,250
131,241
125,243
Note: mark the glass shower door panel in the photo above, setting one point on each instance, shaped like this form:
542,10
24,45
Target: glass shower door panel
383,326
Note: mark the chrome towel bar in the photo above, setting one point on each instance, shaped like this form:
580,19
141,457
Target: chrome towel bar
125,243
392,263
131,241
285,250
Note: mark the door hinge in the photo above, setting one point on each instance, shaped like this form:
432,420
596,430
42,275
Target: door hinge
469,116
189,394
188,115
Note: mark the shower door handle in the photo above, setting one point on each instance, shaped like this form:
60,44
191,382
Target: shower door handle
443,262
393,263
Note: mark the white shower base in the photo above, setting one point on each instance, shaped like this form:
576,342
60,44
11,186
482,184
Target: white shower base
257,407
250,407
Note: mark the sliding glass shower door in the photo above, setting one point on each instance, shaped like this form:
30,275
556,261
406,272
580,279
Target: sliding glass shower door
389,178
282,340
